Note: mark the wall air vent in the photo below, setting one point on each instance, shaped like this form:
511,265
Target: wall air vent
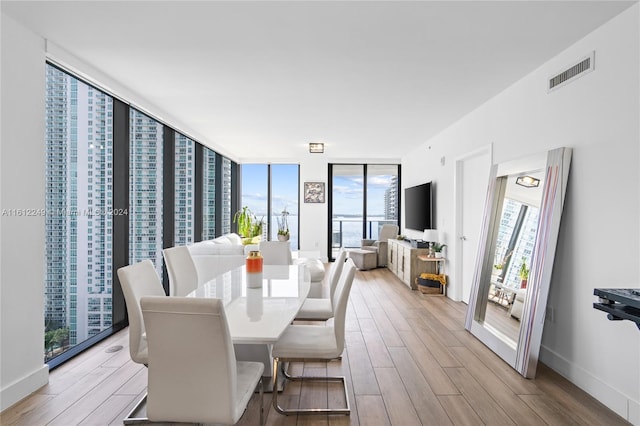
582,67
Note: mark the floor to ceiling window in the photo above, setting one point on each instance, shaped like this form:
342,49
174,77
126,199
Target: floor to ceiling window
363,197
255,191
145,189
284,200
208,194
120,185
78,221
269,190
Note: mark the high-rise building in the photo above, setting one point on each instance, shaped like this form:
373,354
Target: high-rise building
184,190
78,219
145,189
391,199
209,195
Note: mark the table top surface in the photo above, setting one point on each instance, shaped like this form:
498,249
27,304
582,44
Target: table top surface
259,315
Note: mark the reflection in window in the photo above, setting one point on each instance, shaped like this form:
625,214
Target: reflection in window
516,239
145,189
184,177
78,221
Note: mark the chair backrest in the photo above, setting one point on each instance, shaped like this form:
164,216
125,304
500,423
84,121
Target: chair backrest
276,252
183,275
192,364
388,231
138,280
336,271
340,301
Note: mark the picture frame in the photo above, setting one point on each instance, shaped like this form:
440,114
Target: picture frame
314,192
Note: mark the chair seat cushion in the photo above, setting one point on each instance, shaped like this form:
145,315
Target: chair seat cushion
307,341
248,374
318,309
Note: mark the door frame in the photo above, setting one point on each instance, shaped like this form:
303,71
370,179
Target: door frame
458,209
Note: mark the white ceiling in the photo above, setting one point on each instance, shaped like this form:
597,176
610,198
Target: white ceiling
260,80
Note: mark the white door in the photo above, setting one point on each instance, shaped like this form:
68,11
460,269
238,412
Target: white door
472,174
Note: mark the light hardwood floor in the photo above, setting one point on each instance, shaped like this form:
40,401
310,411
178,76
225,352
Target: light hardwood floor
408,361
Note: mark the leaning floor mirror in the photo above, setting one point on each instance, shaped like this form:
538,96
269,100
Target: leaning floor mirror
517,246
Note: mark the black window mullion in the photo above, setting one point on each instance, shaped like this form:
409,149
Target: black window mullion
269,224
168,195
235,191
329,196
120,231
399,195
219,194
365,183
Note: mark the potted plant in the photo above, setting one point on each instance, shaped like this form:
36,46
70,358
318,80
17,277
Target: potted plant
437,249
283,226
524,274
249,227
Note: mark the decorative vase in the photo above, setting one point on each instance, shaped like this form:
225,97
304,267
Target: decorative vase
283,237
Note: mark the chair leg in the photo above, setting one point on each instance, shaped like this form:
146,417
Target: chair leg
132,416
279,367
261,402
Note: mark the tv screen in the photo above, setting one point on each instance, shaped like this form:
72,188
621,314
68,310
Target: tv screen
418,207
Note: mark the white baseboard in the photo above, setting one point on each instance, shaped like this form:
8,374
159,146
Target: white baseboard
616,401
24,387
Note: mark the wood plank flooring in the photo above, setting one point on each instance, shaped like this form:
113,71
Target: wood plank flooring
408,361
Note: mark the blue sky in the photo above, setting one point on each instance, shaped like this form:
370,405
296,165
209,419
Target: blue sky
347,190
284,185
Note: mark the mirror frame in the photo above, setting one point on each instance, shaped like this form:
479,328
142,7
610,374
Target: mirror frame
523,356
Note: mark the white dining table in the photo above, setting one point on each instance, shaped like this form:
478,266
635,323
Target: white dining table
259,316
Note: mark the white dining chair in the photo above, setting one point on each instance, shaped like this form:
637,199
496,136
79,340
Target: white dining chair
321,309
183,275
137,280
276,252
315,343
193,373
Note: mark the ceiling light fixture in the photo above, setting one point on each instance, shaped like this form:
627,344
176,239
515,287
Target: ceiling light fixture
528,181
316,148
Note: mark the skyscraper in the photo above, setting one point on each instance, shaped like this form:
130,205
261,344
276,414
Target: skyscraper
145,189
184,190
78,223
391,199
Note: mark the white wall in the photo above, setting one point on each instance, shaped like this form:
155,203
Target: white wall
598,116
313,216
22,167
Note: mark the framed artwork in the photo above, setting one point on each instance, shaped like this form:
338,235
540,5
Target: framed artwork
314,192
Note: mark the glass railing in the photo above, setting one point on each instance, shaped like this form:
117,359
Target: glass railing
347,232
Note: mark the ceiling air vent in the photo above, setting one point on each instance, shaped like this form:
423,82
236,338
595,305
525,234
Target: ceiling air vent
584,66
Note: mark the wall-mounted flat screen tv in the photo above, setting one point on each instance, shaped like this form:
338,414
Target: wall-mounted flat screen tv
418,207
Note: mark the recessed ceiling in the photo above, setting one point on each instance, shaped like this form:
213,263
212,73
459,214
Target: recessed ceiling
260,80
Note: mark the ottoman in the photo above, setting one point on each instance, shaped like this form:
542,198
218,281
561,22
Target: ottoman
364,259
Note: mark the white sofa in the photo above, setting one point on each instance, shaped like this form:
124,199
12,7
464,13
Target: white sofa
217,256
